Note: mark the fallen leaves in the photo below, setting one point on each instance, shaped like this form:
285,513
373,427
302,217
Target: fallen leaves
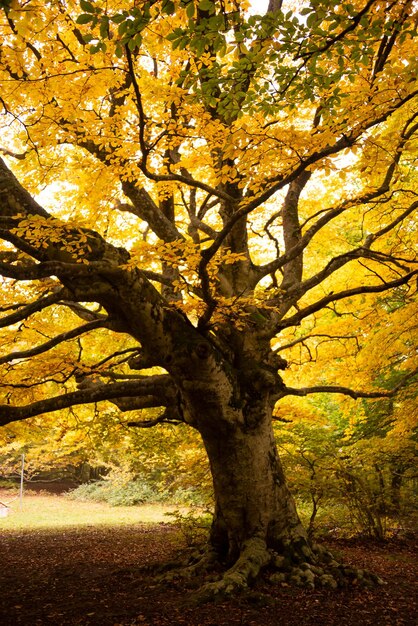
102,576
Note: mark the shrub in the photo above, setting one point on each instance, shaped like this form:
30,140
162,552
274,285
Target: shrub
117,492
6,483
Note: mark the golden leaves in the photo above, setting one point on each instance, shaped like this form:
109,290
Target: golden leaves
44,233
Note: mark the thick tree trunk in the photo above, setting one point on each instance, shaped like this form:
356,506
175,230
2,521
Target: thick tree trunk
255,517
251,495
256,526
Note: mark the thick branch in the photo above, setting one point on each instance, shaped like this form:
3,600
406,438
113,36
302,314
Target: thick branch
57,257
14,198
292,271
144,207
83,312
274,6
387,42
37,271
149,385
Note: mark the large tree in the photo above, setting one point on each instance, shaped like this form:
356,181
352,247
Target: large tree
193,186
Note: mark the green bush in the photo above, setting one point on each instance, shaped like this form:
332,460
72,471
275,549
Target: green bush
189,496
332,520
117,494
6,483
129,493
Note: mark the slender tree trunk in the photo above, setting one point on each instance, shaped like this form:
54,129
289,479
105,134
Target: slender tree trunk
395,488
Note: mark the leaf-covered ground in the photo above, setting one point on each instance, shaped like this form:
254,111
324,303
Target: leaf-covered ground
99,576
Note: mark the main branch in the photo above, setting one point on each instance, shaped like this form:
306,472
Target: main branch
157,386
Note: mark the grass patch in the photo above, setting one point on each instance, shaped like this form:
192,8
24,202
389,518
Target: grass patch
52,511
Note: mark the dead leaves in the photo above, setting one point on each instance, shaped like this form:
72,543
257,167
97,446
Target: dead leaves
103,576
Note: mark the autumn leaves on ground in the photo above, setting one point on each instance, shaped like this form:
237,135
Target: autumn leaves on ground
104,574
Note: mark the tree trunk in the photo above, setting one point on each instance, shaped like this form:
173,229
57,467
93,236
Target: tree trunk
231,407
395,488
252,500
256,526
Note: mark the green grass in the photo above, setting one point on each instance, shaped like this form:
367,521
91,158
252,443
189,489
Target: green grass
49,511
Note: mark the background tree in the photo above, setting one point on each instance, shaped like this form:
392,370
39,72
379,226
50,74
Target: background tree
209,183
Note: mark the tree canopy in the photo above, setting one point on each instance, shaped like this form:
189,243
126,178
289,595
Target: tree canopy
204,210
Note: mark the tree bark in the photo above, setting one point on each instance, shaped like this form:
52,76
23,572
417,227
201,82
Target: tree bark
256,526
252,499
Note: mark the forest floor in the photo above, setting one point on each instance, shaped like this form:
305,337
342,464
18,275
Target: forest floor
102,576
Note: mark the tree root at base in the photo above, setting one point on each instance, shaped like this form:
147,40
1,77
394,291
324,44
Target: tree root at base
198,565
253,558
321,571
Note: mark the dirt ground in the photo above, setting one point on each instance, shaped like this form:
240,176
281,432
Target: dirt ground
101,577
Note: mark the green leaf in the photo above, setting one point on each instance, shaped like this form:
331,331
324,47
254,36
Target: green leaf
104,29
84,19
190,10
168,7
87,6
138,40
183,42
118,18
206,5
312,20
176,34
124,27
199,46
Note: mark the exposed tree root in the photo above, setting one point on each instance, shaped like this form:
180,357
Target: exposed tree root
319,570
253,558
198,564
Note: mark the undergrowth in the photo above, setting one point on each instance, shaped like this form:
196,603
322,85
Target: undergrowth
134,492
332,521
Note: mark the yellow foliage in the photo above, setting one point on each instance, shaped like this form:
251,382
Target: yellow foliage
247,179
